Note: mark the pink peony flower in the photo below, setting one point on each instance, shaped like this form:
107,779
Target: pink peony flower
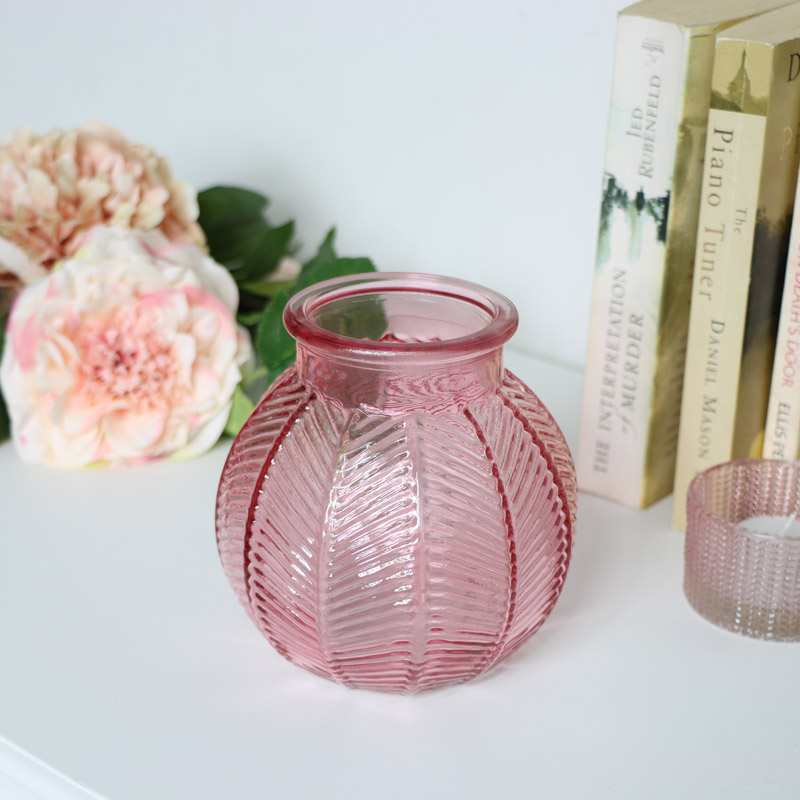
128,351
53,188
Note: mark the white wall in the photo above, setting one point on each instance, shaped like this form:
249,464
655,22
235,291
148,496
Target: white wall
456,136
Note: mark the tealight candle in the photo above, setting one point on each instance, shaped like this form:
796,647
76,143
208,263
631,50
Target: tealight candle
742,559
788,527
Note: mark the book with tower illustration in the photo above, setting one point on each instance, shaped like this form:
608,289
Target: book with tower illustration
646,243
748,189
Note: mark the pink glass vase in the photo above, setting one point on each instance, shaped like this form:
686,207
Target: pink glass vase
397,513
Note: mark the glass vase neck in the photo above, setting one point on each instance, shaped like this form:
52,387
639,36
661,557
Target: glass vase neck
400,342
388,388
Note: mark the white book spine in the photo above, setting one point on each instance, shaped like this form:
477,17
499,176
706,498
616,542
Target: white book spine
649,73
782,435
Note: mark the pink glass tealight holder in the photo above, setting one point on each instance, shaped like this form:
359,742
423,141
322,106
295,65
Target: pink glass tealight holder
742,557
397,513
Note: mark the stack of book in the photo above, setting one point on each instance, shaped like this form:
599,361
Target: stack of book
700,178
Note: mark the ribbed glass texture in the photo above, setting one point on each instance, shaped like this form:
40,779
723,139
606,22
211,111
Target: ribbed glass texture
397,513
744,580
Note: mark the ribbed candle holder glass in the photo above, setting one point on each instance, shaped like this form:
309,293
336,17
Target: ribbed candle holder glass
738,577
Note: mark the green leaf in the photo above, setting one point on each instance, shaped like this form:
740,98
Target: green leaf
270,248
241,408
325,252
233,244
364,319
238,233
277,371
314,272
253,376
5,423
265,288
274,345
222,207
249,318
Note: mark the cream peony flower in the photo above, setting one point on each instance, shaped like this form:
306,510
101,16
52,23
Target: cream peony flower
287,270
53,188
128,351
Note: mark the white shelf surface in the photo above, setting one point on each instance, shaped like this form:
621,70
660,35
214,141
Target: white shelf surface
128,670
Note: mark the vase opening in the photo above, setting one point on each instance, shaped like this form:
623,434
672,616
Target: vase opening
386,315
400,342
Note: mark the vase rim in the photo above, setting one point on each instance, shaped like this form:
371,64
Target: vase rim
502,317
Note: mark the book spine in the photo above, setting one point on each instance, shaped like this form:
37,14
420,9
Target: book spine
622,361
782,436
749,182
684,207
770,250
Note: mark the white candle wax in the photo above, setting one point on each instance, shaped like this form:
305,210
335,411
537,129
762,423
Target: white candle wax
787,527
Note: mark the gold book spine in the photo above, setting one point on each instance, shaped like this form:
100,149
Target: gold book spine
748,187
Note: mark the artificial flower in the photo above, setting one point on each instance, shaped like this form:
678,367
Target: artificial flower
287,270
128,351
53,188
